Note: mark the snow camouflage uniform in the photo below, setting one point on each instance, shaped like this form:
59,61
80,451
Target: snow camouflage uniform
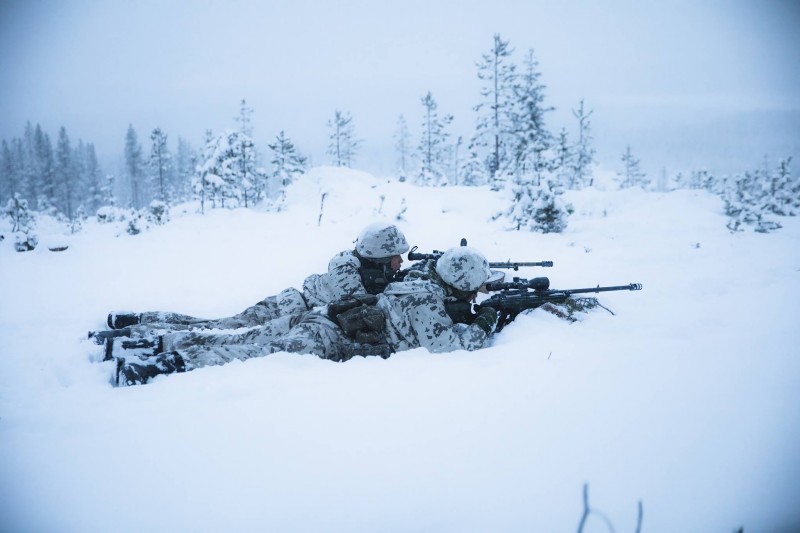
364,270
413,314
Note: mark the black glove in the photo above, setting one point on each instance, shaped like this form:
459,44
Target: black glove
486,319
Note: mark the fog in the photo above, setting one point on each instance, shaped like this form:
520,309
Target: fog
685,83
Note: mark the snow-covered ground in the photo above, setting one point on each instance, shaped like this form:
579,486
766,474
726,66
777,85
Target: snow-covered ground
687,399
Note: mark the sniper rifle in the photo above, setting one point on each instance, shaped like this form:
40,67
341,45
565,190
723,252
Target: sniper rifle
513,297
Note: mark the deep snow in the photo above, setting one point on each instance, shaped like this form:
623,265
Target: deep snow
687,399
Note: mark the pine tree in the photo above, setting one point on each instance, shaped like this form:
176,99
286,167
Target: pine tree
160,167
8,173
584,151
201,184
226,172
631,175
287,164
133,166
530,138
343,144
245,118
494,111
433,144
402,140
95,197
65,172
44,184
784,192
185,161
563,161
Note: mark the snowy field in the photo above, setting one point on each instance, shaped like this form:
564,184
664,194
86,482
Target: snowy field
687,399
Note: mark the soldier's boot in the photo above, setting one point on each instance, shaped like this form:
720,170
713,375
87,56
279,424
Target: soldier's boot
134,370
123,319
99,337
120,347
152,346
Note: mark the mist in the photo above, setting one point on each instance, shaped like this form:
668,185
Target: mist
707,84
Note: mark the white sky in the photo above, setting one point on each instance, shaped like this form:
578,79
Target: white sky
95,66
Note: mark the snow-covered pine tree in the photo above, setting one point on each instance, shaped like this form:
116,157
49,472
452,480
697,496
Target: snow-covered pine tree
563,159
251,181
402,144
44,182
530,139
494,124
226,173
9,180
583,150
200,183
432,148
160,167
342,142
65,172
134,166
538,205
287,164
744,204
631,174
23,223
244,118
784,191
92,180
185,161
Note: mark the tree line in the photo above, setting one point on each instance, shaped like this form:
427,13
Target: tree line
511,148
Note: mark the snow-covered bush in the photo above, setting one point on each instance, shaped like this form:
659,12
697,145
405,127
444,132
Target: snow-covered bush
134,226
110,213
158,213
23,222
538,206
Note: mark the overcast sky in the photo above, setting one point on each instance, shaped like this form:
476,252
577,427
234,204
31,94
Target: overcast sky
96,66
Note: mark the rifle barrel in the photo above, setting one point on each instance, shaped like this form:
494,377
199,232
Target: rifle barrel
629,287
515,265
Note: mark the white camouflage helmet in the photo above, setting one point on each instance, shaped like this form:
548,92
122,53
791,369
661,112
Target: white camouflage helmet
381,240
464,268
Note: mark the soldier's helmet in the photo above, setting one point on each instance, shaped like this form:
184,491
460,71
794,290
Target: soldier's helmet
381,240
464,268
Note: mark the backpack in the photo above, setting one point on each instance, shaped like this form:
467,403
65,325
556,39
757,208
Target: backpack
360,318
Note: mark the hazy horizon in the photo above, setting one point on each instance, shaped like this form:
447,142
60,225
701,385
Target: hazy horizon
662,78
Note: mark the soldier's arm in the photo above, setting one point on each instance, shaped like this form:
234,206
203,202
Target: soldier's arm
436,331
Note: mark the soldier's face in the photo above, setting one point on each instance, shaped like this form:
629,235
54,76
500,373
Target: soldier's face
395,263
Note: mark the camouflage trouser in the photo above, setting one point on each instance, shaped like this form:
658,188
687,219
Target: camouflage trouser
288,302
310,333
258,335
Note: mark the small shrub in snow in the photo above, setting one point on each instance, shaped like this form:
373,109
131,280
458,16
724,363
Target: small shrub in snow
23,222
134,226
158,213
538,206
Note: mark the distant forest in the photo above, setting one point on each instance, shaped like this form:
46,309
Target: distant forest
510,148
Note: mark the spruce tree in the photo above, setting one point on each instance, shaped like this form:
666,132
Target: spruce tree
402,144
494,111
529,136
432,148
342,142
631,174
160,167
287,164
45,181
583,151
133,166
65,172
